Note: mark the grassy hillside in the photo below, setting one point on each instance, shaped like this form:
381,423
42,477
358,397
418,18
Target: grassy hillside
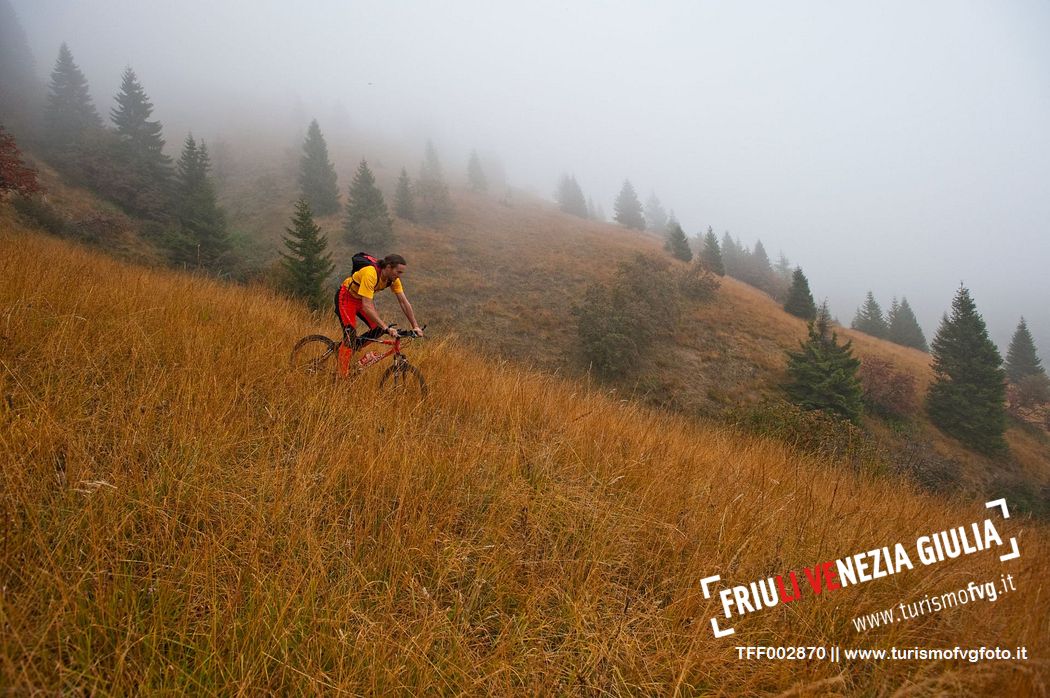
504,276
181,512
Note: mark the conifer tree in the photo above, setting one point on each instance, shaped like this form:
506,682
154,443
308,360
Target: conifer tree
869,318
306,263
435,204
799,300
967,397
733,257
404,204
141,180
756,269
824,373
476,175
592,211
202,239
904,328
368,224
678,243
69,112
1021,357
628,210
141,136
18,88
656,219
712,255
317,178
570,197
668,227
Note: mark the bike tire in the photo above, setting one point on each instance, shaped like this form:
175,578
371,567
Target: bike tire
315,354
406,379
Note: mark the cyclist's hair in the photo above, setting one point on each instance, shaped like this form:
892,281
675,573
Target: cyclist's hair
391,260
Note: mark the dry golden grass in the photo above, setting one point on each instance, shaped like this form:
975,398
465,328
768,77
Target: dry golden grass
182,513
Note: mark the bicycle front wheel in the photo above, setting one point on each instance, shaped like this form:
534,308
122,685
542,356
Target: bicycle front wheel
315,354
405,379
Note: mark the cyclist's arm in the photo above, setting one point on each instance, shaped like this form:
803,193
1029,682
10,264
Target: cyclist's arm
406,308
368,307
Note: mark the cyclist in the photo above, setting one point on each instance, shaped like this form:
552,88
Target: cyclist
355,300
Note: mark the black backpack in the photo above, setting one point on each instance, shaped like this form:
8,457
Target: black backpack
362,260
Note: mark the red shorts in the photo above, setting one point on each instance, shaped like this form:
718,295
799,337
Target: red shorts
348,309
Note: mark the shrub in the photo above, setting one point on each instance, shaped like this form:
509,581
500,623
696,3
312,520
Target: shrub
34,210
887,391
697,283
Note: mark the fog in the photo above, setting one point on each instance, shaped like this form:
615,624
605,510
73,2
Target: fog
897,147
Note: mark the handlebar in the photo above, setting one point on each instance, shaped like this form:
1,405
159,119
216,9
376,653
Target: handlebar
400,335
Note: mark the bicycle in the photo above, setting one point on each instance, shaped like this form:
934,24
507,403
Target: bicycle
317,353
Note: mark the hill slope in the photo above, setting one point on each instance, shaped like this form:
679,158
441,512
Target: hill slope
182,512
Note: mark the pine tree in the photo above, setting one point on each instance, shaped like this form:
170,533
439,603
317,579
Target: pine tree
142,184
678,243
69,112
628,210
656,219
368,224
592,210
14,175
869,318
19,95
476,175
756,269
712,255
824,373
306,264
781,277
404,204
435,204
733,257
570,197
317,178
967,397
799,300
904,328
668,227
1021,357
202,240
142,136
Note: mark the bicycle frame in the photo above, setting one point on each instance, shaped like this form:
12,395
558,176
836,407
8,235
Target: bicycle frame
395,350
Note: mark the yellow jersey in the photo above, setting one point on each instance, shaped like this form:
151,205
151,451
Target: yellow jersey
365,282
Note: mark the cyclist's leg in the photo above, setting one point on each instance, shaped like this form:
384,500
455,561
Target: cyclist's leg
347,312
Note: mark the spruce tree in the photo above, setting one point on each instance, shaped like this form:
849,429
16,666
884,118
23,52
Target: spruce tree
869,318
306,264
656,219
69,112
317,178
404,204
368,224
476,175
799,300
141,136
904,328
570,197
19,96
712,255
202,239
628,210
967,397
824,373
1021,357
435,204
756,269
733,257
679,245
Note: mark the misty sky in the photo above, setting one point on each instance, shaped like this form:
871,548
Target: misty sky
900,147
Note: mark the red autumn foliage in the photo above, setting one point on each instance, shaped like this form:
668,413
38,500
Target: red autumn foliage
887,390
14,175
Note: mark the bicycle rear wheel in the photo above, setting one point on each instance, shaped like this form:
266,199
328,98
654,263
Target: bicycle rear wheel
405,379
315,354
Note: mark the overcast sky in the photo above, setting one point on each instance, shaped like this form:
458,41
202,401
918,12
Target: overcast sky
900,147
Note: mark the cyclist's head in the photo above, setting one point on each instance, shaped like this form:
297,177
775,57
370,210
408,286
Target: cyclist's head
393,265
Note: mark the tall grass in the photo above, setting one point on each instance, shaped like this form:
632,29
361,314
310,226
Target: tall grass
181,512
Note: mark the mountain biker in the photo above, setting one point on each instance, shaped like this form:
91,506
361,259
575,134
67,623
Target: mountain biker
355,300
